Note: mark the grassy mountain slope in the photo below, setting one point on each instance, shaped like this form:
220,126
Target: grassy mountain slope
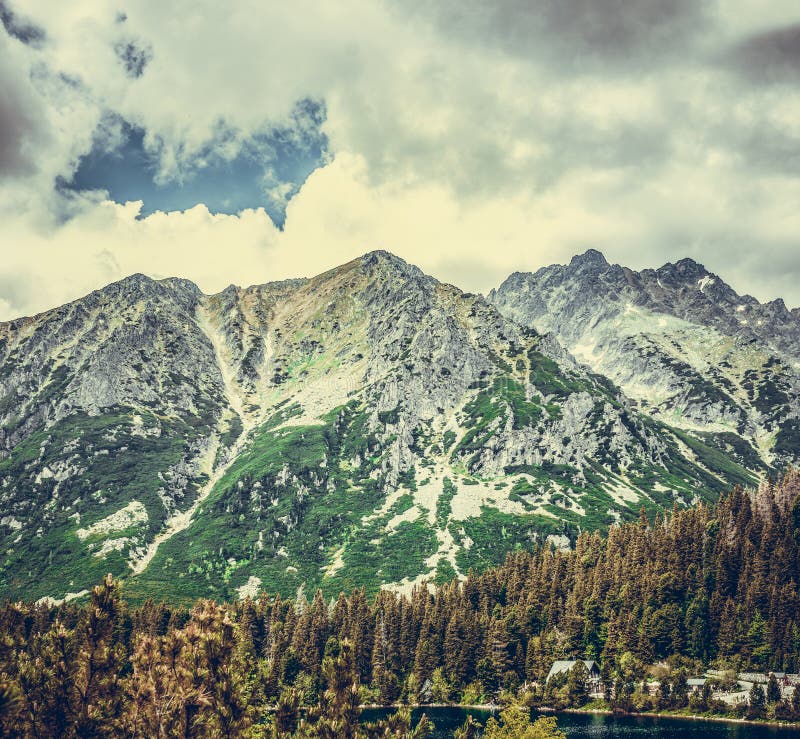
369,426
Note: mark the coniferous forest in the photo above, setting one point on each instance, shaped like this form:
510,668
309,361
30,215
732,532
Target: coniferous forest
708,586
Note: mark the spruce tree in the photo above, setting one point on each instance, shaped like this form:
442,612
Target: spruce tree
756,701
470,729
773,689
577,688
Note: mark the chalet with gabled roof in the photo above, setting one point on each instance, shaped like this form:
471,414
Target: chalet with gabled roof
563,666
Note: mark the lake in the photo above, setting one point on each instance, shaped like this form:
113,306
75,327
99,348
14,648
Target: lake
586,726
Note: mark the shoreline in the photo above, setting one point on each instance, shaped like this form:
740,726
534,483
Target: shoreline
685,716
496,708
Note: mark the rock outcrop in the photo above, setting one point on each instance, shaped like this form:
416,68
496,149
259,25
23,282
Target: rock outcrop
368,426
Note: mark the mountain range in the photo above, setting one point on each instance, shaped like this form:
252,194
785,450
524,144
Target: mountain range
372,426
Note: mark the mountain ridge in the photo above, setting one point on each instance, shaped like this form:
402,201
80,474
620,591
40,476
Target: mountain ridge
678,339
369,426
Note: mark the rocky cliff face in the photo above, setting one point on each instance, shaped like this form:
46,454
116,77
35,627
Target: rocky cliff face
367,426
679,341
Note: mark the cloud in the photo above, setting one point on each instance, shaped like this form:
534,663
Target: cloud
21,112
133,56
471,138
235,171
770,56
19,28
339,214
416,100
576,36
480,97
105,241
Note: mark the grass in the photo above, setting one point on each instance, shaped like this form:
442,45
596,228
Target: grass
128,467
494,534
444,502
280,515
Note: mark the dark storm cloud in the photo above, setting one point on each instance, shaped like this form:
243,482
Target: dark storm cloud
18,127
770,149
12,130
768,56
639,144
134,57
577,35
19,28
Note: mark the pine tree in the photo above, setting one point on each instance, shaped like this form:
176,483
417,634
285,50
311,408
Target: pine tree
756,701
680,689
577,689
515,723
10,708
773,689
758,645
470,729
99,663
287,713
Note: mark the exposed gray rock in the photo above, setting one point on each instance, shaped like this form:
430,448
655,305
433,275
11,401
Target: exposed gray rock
678,340
150,394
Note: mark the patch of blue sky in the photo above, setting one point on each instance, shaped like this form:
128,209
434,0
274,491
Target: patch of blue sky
266,171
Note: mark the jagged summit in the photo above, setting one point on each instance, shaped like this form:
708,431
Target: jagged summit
132,288
686,269
589,258
382,255
681,342
140,284
686,264
384,261
141,281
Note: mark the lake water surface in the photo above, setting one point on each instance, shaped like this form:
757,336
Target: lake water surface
584,726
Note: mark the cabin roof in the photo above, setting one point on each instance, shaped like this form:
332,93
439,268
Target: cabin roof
565,665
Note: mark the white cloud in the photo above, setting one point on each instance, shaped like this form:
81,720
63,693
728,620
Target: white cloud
340,214
464,158
106,241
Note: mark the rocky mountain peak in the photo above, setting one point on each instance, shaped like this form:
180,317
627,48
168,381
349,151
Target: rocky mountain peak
385,262
591,258
684,270
299,432
778,307
680,341
139,287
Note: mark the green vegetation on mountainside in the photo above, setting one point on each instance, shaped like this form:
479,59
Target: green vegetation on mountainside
294,497
97,465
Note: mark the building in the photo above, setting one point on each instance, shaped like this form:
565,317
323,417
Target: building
782,679
593,683
754,677
696,684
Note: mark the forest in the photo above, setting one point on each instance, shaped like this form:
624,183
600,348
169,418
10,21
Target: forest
699,587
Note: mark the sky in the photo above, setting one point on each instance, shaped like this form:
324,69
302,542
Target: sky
250,141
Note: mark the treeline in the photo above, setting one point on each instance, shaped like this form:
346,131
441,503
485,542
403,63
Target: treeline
710,584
